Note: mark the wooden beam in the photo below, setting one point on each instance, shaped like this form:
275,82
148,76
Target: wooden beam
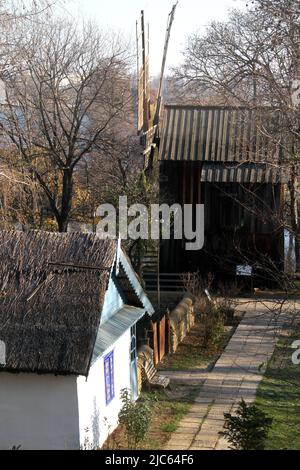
163,65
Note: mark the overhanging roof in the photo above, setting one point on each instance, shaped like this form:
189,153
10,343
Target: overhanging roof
115,327
218,134
242,173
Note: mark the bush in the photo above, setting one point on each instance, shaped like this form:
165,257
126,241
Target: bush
135,417
226,304
226,308
195,284
248,429
211,315
212,322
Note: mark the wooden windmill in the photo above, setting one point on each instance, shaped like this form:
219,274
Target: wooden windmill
147,121
147,125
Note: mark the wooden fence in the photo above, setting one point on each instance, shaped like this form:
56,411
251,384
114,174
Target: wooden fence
160,338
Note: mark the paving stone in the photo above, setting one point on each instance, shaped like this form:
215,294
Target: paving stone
195,417
205,439
222,444
209,431
218,409
201,447
187,424
216,419
184,430
172,446
232,382
184,442
196,412
196,423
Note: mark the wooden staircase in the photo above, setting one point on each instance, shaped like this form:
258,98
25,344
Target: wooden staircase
169,282
150,261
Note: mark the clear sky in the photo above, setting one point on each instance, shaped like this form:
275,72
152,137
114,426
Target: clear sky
121,15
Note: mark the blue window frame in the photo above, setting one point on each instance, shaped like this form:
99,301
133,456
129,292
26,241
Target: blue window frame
109,377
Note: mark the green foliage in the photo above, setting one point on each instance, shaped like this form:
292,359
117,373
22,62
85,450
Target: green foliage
135,417
279,395
248,429
169,427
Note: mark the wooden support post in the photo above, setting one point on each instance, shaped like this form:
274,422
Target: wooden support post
162,338
183,191
163,65
154,342
168,333
145,76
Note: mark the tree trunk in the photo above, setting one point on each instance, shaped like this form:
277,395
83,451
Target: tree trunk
66,200
294,217
62,225
297,253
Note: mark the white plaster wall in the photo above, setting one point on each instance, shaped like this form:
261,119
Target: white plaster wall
38,411
112,302
96,419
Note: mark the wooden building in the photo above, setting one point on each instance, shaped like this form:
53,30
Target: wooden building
230,160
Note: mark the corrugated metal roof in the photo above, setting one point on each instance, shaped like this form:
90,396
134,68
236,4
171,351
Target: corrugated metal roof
242,173
115,327
194,133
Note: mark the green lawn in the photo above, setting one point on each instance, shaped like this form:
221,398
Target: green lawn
279,396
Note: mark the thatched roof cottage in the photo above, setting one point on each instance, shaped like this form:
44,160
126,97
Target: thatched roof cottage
69,306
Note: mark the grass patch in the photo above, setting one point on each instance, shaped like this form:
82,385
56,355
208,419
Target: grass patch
191,354
186,362
279,396
168,411
178,411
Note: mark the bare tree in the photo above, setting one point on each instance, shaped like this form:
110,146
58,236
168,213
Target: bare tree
16,186
66,90
20,197
253,60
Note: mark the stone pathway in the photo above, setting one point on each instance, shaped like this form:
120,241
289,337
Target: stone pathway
236,375
187,377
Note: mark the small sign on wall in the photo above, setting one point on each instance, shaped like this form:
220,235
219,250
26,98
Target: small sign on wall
244,270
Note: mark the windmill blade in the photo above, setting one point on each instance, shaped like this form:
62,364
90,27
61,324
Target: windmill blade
163,65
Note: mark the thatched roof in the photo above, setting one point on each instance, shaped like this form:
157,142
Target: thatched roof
52,288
